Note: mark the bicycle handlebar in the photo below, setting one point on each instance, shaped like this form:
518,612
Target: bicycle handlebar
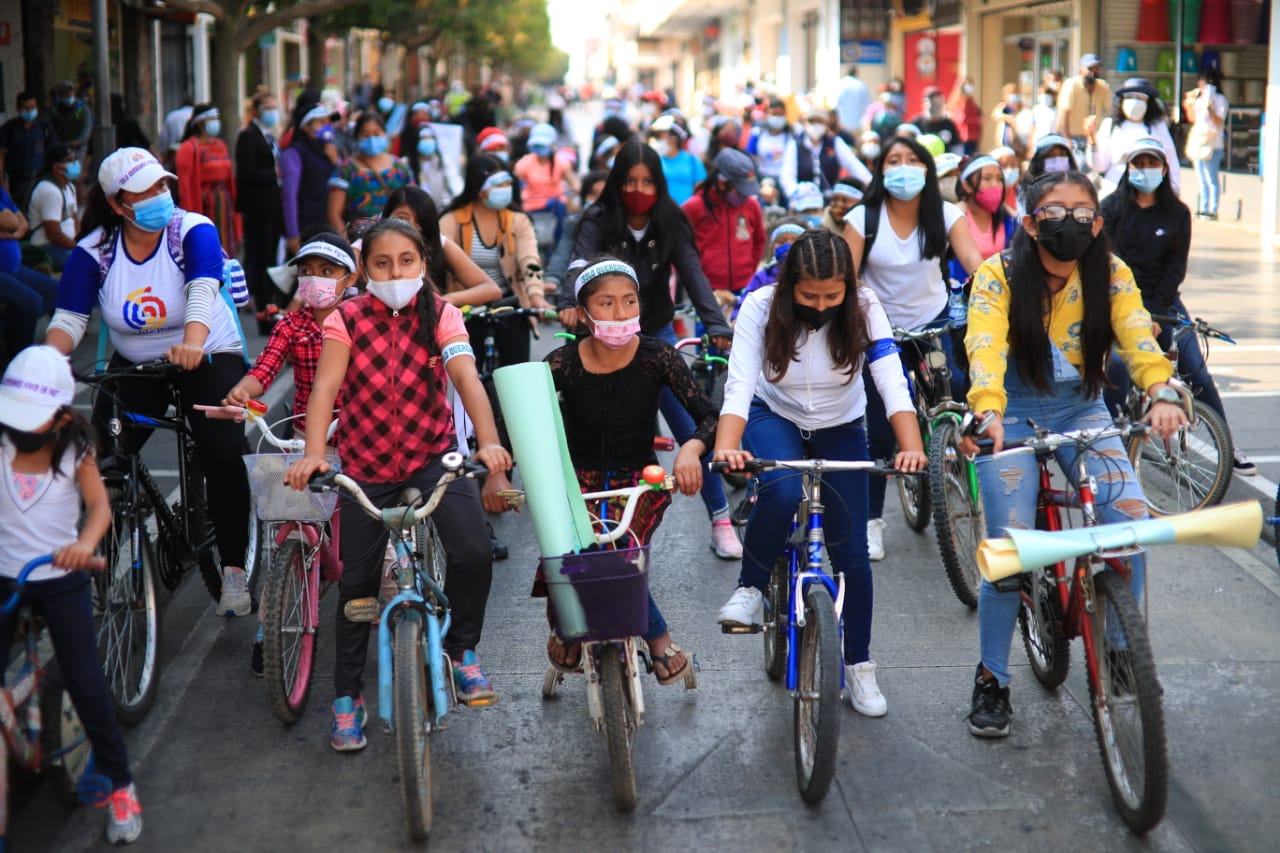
455,467
1046,441
880,467
492,314
927,332
1198,325
654,479
25,573
704,341
258,419
157,369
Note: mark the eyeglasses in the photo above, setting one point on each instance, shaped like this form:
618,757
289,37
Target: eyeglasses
1057,213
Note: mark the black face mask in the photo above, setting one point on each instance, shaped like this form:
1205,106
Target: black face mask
30,442
1067,239
813,318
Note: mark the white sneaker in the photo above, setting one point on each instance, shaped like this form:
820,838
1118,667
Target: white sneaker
875,538
235,599
744,607
124,816
864,694
724,540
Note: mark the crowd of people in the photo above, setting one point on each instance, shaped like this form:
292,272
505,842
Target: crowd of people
800,237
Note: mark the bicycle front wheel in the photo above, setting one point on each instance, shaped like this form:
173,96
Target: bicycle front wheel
413,745
127,614
290,616
1190,470
619,726
817,697
1127,707
958,520
776,620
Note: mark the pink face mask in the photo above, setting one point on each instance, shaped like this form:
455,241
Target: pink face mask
989,198
317,292
615,334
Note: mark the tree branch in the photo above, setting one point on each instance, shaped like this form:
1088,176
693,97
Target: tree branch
251,29
422,37
196,6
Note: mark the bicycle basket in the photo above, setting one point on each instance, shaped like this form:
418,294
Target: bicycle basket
613,588
275,501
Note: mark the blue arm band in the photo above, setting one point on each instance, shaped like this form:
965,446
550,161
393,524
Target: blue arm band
881,349
456,349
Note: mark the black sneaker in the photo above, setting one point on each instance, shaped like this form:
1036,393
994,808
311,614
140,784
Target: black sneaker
742,511
255,659
991,709
500,551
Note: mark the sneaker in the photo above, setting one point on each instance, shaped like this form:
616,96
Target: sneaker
124,816
724,540
991,709
473,685
235,600
500,550
349,717
744,607
864,694
875,538
1242,465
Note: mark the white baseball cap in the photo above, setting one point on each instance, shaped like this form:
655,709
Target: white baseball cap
132,169
37,384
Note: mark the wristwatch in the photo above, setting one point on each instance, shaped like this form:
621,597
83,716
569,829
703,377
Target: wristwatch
1167,395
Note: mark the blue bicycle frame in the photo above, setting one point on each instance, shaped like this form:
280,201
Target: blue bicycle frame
798,581
411,600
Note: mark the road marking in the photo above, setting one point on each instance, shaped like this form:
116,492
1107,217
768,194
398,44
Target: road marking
1274,458
1261,572
1245,394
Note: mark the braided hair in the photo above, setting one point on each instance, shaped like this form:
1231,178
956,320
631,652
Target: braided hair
822,255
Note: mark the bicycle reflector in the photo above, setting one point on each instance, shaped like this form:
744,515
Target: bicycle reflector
258,407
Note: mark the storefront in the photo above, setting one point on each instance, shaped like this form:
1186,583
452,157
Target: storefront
932,50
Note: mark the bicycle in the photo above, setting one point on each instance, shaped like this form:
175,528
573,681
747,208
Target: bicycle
42,731
950,492
802,623
1193,469
1092,601
415,681
125,595
709,366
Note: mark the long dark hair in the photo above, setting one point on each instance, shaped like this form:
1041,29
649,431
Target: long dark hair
1154,115
98,214
1030,297
816,254
194,124
967,188
427,218
479,168
77,433
931,224
667,222
1127,196
426,301
1036,167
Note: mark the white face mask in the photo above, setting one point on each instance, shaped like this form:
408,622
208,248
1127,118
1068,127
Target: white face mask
395,293
816,130
1133,108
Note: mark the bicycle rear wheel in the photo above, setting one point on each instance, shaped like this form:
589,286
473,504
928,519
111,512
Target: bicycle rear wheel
776,620
619,726
127,614
413,745
958,520
289,624
817,697
1127,707
1189,471
66,746
913,492
1043,636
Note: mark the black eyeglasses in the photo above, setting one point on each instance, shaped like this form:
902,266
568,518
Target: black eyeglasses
1058,212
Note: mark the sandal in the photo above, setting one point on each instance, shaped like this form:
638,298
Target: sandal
570,655
665,662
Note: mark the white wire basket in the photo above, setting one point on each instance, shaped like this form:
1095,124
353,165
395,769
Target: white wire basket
273,500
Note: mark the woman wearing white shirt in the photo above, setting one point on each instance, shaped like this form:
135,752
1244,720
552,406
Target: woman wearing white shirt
796,390
1136,113
1205,144
912,231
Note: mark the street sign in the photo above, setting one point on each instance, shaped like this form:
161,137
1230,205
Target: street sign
862,52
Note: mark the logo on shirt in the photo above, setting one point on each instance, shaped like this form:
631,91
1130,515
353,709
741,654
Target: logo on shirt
144,312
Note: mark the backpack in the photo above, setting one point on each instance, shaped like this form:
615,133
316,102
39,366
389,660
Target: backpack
872,225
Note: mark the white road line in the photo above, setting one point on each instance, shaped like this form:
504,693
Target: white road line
1245,394
1260,571
1272,458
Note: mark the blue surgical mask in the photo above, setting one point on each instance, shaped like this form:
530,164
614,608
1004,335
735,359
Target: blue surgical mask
325,133
213,127
499,198
503,156
73,170
385,104
426,147
1146,180
269,118
372,146
1057,164
780,252
541,150
153,214
904,182
28,115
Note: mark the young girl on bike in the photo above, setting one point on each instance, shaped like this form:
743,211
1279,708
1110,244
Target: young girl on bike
796,389
390,352
610,384
446,261
48,468
1043,316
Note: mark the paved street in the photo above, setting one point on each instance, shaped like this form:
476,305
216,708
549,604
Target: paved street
714,767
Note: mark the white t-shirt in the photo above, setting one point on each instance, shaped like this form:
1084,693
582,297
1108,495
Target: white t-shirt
910,287
769,151
49,203
1217,102
38,514
814,393
1115,139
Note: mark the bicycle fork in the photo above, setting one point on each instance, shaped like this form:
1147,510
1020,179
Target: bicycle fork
631,671
813,573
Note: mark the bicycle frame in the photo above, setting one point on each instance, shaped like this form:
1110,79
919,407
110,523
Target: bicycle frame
434,611
806,531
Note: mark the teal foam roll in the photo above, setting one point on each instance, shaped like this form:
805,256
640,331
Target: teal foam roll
561,523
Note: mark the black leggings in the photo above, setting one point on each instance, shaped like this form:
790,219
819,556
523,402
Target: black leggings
219,444
459,518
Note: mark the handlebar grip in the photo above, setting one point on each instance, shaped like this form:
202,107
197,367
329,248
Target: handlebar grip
754,466
322,481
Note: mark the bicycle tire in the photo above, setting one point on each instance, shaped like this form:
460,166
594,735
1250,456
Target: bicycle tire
289,625
817,731
958,522
1191,471
1137,766
429,550
127,615
202,525
413,744
619,727
776,620
62,736
913,492
1040,621
1276,527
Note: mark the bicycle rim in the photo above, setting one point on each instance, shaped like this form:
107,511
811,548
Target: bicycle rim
958,520
289,629
1189,471
817,697
413,745
619,726
1043,636
1127,705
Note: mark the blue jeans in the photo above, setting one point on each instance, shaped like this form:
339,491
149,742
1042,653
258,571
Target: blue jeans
683,427
25,306
1207,172
771,436
1010,487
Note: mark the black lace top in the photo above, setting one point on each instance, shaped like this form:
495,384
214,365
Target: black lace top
610,419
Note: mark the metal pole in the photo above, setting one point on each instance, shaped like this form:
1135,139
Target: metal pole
104,133
1177,58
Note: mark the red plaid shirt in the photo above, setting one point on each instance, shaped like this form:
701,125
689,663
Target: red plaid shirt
297,338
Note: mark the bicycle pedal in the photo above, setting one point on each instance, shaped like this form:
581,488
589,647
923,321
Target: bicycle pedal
739,628
482,702
362,610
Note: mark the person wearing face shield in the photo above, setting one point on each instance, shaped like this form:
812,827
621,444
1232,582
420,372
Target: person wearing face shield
819,156
205,174
1137,113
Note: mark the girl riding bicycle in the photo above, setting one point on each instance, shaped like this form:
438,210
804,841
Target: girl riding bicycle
390,352
1043,316
48,468
796,389
610,385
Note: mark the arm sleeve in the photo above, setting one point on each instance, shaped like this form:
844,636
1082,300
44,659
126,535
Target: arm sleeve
695,283
850,162
290,180
1170,153
201,294
78,288
202,253
746,357
987,338
886,371
679,379
336,330
449,322
1101,151
758,235
1131,325
1174,268
272,357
